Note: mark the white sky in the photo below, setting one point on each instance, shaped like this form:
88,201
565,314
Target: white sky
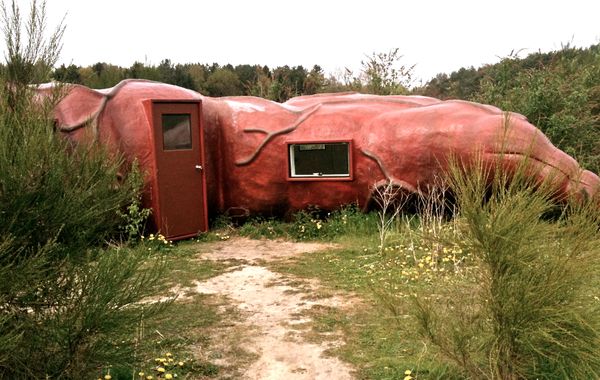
436,35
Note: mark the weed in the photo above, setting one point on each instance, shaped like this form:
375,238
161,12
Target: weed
156,243
388,198
313,225
260,227
134,217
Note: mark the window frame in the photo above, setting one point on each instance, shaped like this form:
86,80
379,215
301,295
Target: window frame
191,143
313,177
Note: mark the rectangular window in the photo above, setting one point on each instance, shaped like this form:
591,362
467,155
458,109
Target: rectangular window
177,131
319,160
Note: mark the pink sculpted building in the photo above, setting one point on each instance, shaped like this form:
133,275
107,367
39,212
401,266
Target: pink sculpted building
246,155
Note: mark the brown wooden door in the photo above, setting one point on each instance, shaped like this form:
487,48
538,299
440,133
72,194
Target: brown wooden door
180,168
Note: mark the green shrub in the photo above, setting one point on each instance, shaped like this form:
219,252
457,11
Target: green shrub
348,220
67,302
528,311
307,225
260,227
351,220
313,225
134,218
559,96
68,328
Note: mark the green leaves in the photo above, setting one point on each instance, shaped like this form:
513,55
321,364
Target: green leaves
532,308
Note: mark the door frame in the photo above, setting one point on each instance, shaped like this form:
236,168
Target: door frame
156,205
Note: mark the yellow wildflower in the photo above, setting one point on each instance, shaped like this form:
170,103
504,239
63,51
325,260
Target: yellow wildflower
168,376
107,377
160,369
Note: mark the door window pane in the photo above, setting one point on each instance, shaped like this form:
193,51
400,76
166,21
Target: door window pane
177,131
319,160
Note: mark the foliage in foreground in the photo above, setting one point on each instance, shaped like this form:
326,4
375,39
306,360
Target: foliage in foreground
65,296
529,309
67,327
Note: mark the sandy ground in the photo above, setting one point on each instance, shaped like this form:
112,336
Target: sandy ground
271,307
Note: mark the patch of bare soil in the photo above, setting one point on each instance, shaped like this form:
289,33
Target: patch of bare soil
256,251
271,310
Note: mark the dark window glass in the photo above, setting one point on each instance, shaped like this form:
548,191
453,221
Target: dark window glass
177,131
320,159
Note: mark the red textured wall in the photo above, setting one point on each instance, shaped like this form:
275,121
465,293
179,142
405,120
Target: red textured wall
398,138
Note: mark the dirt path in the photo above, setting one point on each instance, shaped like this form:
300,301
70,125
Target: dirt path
273,310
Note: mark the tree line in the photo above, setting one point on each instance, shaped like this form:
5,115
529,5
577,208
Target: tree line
380,73
277,84
558,91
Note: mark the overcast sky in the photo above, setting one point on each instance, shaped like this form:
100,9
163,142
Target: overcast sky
437,36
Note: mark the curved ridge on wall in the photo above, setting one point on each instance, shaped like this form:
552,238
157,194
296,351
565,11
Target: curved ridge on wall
104,97
270,135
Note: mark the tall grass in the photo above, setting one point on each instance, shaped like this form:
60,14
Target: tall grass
390,200
529,310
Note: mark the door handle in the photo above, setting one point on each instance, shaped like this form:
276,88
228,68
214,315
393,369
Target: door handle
198,168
